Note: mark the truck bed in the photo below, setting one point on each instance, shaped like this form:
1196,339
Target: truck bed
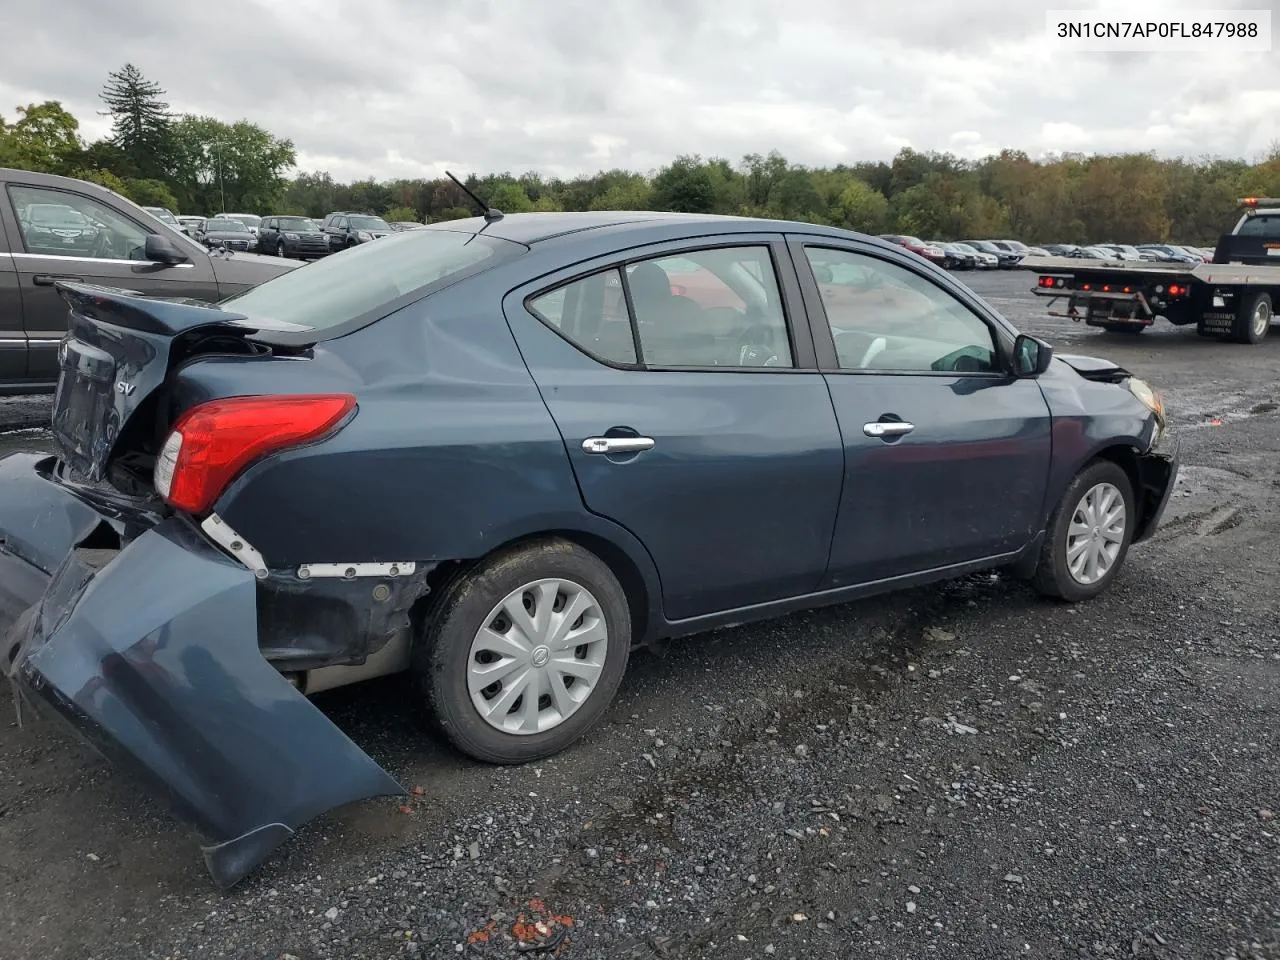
1233,274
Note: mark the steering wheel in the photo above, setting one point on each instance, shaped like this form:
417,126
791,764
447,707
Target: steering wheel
756,347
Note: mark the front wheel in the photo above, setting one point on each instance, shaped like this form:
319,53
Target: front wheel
1089,534
522,656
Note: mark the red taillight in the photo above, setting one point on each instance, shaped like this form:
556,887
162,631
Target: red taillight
213,442
1106,288
1176,291
1086,286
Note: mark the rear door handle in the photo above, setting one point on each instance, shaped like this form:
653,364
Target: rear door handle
887,428
616,444
49,279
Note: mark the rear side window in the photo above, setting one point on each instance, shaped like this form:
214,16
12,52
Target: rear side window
368,279
1261,226
591,313
712,308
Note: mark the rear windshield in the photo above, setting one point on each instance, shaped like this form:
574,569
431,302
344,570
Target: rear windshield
369,280
1261,225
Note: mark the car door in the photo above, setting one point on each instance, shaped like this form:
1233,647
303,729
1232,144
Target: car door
337,231
947,455
13,338
80,237
267,235
692,414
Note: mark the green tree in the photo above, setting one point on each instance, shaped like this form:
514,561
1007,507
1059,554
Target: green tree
141,125
686,186
150,193
507,197
401,214
220,167
861,206
45,137
628,192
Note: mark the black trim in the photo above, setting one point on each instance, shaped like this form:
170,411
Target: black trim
1002,334
803,358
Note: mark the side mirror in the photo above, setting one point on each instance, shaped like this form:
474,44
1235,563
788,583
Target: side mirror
162,250
1031,357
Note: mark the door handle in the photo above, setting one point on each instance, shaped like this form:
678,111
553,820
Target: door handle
887,428
616,444
49,279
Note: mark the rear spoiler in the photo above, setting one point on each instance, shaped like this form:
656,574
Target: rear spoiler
165,317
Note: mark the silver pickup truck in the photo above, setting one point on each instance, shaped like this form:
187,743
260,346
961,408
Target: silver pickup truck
1231,298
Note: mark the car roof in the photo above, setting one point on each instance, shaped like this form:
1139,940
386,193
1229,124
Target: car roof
621,227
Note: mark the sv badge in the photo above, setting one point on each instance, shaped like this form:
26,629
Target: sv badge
123,386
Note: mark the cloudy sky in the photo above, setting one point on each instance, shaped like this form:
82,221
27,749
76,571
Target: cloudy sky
390,88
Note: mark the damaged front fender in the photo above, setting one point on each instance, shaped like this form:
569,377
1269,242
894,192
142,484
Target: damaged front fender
154,658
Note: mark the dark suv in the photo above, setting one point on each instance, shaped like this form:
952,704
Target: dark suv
346,229
55,228
292,237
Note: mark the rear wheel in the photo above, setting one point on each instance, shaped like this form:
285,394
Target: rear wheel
1089,534
1253,318
522,656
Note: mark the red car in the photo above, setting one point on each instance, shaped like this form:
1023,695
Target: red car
916,246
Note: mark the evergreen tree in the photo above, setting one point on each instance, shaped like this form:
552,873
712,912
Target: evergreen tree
141,122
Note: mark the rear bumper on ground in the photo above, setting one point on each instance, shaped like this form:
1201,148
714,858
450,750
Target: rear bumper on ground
151,653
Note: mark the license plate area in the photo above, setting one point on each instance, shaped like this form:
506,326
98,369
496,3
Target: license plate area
85,422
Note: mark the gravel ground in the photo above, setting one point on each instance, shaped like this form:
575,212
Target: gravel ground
958,772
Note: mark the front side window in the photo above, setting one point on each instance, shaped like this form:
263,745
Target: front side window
710,308
886,318
56,223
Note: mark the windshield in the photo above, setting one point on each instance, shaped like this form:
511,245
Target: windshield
296,223
366,278
55,214
160,213
225,226
368,223
248,218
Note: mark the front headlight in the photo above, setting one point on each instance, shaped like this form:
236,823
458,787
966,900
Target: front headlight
1148,397
291,236
364,235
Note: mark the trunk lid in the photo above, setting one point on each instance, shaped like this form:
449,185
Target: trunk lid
119,348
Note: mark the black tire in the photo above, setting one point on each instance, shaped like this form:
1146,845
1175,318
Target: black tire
1052,577
1253,318
1130,329
442,651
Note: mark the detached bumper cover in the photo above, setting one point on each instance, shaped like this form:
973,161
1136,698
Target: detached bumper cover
1158,471
151,653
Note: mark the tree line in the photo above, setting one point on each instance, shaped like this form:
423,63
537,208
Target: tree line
200,164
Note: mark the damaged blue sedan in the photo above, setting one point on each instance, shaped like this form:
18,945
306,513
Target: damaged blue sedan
500,453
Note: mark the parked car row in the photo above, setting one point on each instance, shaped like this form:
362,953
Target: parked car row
1008,254
967,254
1148,252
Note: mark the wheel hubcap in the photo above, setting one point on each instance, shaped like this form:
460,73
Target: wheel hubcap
538,656
1261,318
1096,533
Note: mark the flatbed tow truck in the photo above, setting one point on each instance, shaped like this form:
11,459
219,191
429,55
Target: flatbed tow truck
1231,298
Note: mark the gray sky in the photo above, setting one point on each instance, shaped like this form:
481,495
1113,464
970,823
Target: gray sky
392,88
